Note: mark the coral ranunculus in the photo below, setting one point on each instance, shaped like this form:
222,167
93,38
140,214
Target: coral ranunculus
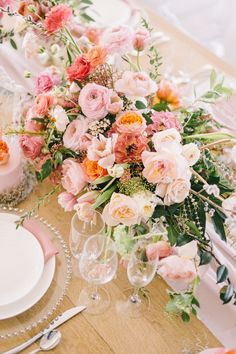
31,146
56,18
93,170
129,148
96,56
169,93
42,104
79,69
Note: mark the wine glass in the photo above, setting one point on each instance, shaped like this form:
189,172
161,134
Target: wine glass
98,265
81,230
141,272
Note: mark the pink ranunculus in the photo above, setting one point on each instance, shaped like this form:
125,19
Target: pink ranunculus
121,209
102,150
31,146
141,39
135,84
42,104
177,268
75,131
163,121
93,101
115,104
43,83
56,18
118,40
84,204
160,249
32,125
79,69
73,179
130,122
67,201
129,148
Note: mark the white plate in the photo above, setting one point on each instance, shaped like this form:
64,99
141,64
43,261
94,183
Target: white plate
21,261
34,296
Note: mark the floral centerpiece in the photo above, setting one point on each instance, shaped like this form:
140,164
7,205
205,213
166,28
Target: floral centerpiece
121,140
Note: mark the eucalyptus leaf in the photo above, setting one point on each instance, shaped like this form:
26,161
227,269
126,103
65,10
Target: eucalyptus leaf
140,105
221,273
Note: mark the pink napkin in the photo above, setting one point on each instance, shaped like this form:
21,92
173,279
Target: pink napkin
49,249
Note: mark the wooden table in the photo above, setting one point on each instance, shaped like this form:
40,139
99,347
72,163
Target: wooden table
155,333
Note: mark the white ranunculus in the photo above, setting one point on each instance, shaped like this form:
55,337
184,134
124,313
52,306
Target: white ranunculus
177,191
192,153
74,88
169,139
189,250
145,203
116,171
212,189
61,118
20,24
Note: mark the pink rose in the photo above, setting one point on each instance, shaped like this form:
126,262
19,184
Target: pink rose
130,122
56,18
67,201
32,125
163,121
177,268
102,150
43,83
73,179
118,40
135,84
73,134
93,101
122,209
158,250
42,104
31,145
141,39
84,204
115,104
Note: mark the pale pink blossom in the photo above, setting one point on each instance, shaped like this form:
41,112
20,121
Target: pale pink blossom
61,118
73,179
136,84
163,121
84,204
192,153
158,250
102,150
167,139
118,40
67,201
93,101
141,39
177,268
75,131
115,103
177,191
31,145
121,209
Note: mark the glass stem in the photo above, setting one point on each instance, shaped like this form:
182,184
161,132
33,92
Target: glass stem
135,296
94,294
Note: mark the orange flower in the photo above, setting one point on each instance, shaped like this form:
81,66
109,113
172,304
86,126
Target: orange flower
93,170
169,93
96,56
4,153
130,122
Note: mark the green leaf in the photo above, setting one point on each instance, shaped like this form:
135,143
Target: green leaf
102,180
185,317
39,120
226,293
218,223
69,56
140,105
193,228
87,17
172,235
221,273
205,257
195,302
89,2
213,78
58,159
13,43
102,198
162,106
147,117
45,171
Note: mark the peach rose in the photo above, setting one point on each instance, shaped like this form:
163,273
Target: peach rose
121,209
169,138
73,179
67,201
93,34
74,132
93,101
102,150
31,145
96,56
169,93
130,122
42,104
177,268
118,40
163,166
4,153
93,170
177,191
158,250
135,84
